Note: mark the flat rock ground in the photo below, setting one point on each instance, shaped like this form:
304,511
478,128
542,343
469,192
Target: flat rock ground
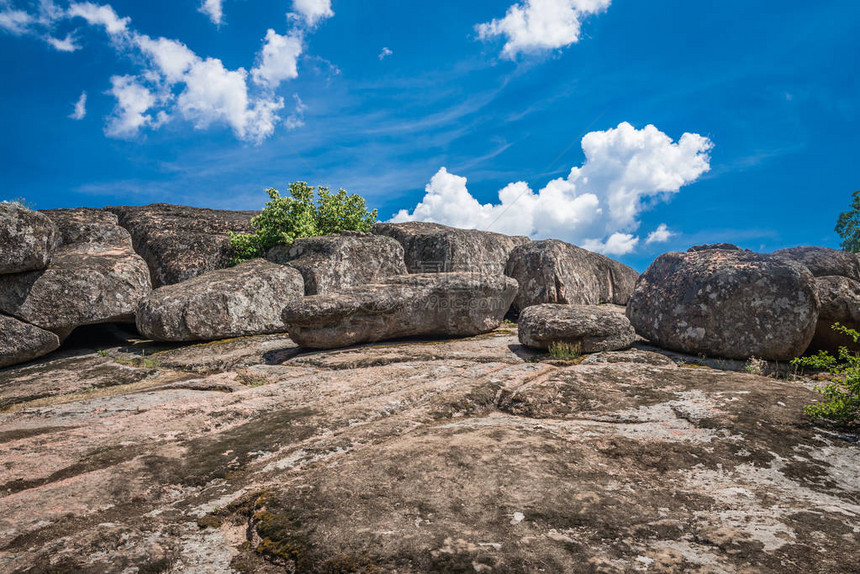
414,456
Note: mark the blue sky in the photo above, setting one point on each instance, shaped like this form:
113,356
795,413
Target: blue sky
378,96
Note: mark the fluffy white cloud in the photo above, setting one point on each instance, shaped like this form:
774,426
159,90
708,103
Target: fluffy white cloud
215,94
313,11
659,235
100,15
617,244
214,10
172,80
65,45
15,21
539,25
133,101
596,206
80,108
385,53
171,58
278,60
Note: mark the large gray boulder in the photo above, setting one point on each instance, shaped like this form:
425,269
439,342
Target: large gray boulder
553,271
85,284
731,304
180,243
590,328
824,262
435,248
95,277
840,303
20,342
333,262
27,239
429,305
243,300
85,225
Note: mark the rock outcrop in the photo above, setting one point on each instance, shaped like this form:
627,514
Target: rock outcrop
27,239
414,457
435,248
588,328
20,342
731,304
85,225
242,300
824,262
430,305
333,262
553,271
87,282
840,303
714,246
180,243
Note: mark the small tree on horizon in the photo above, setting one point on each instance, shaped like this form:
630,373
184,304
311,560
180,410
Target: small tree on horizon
848,226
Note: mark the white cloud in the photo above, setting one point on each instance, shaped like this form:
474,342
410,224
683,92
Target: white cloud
100,15
172,80
617,244
215,94
80,108
297,118
659,235
15,21
385,53
172,59
313,11
133,101
66,45
278,60
214,10
541,25
597,205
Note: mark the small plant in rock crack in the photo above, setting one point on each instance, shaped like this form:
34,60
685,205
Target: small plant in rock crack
561,351
285,219
841,404
755,366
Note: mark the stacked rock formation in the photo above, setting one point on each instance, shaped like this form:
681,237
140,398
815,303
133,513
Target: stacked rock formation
63,269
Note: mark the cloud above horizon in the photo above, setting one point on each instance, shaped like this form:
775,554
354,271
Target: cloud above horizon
173,81
540,25
214,9
597,205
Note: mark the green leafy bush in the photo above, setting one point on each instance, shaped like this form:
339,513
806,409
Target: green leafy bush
842,396
285,219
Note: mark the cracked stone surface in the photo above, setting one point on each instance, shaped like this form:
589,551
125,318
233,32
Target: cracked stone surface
468,455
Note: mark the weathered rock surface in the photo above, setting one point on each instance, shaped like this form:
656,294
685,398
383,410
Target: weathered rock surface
180,243
85,284
714,246
430,304
426,456
589,328
27,239
435,248
553,271
333,262
20,342
732,304
243,300
823,261
85,225
840,303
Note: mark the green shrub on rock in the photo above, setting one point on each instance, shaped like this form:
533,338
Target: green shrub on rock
285,219
842,404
